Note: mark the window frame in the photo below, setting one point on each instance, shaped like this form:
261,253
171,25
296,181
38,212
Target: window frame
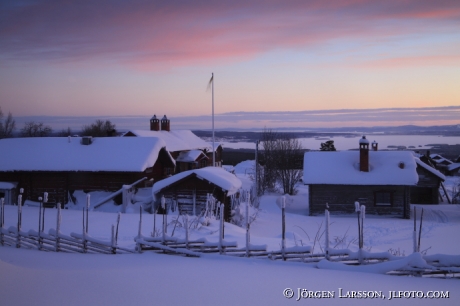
384,193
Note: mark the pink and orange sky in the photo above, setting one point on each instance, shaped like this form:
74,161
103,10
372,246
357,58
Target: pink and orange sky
137,58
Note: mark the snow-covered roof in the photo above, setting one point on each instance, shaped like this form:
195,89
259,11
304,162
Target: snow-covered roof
190,156
430,169
58,154
216,145
216,175
453,166
439,159
7,185
342,168
176,140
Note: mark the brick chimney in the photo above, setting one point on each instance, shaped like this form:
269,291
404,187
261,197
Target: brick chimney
364,154
375,146
154,123
165,124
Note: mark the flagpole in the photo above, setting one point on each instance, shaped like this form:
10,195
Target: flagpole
213,146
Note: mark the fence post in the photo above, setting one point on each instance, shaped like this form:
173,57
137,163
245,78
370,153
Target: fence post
88,203
420,231
358,211
326,213
247,226
18,236
194,201
113,240
58,226
283,229
163,206
45,200
116,231
139,233
363,215
84,232
414,234
221,228
186,231
2,218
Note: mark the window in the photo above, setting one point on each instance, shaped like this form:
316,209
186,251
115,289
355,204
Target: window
203,163
383,198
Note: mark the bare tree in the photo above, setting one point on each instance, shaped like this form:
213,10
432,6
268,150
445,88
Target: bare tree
8,126
100,128
267,172
282,159
289,163
36,129
65,132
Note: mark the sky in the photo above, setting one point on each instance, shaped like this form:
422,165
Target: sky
139,58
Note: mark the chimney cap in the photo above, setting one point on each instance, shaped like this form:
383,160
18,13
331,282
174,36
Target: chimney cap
154,117
164,118
364,140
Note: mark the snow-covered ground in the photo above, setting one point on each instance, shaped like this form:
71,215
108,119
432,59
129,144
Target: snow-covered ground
30,277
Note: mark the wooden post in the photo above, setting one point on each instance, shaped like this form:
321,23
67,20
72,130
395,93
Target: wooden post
88,202
326,213
221,228
84,242
363,215
283,228
163,206
420,231
18,237
358,210
2,218
194,201
247,226
139,232
116,231
58,226
40,199
414,234
45,200
186,231
113,243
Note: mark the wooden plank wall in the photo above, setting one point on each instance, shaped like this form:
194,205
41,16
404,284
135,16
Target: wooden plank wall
427,189
341,199
183,194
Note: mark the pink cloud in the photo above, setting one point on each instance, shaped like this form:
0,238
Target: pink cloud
152,34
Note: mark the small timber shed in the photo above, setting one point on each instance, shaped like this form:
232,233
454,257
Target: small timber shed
427,189
381,180
190,189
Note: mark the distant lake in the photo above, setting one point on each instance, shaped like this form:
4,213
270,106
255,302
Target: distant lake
346,143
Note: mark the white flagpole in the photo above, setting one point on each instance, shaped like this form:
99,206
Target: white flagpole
213,145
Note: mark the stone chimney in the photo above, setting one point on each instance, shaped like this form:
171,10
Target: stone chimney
165,124
375,146
364,154
154,123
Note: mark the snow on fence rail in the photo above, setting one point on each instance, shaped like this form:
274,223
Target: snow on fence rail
81,242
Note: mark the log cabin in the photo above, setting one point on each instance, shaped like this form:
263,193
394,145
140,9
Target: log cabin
60,165
381,180
184,146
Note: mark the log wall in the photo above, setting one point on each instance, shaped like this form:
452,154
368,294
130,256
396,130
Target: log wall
341,199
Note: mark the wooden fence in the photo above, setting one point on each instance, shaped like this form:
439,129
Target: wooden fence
81,242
